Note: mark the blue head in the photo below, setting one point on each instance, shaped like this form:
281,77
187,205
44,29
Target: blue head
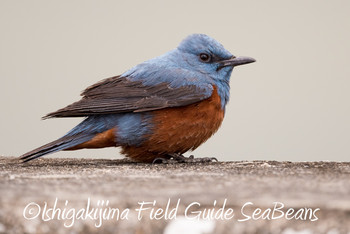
198,60
203,54
207,56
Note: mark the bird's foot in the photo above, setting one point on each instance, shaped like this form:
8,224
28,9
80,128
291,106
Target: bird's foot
179,158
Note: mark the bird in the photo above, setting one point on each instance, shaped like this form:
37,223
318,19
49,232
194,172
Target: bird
157,110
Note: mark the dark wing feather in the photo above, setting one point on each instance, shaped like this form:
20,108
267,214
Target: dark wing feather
118,95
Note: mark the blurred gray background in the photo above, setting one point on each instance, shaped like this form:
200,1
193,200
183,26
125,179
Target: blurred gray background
293,104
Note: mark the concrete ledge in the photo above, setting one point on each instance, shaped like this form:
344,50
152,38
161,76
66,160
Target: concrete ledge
241,186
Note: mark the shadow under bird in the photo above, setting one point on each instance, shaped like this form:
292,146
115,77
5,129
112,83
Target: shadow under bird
158,109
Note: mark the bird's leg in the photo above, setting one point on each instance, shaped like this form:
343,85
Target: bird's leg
179,158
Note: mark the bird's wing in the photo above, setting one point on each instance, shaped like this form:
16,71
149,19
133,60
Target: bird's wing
119,94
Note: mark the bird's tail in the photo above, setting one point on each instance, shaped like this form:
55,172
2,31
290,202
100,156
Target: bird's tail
83,132
62,143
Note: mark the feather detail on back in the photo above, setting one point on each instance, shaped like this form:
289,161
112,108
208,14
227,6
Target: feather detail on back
119,95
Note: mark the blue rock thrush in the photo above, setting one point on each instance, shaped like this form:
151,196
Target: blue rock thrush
158,109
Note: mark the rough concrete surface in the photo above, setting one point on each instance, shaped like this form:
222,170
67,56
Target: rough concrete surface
318,191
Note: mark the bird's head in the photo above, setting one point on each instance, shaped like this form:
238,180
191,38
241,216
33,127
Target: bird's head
205,55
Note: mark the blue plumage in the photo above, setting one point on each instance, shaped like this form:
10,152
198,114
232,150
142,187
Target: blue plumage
132,127
181,67
185,75
95,124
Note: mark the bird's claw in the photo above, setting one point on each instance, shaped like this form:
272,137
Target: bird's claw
179,158
160,161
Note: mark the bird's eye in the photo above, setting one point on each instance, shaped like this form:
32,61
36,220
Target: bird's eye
205,57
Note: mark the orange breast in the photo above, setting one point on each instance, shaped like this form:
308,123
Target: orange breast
177,130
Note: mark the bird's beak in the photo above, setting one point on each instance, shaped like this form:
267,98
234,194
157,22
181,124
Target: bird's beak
235,61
